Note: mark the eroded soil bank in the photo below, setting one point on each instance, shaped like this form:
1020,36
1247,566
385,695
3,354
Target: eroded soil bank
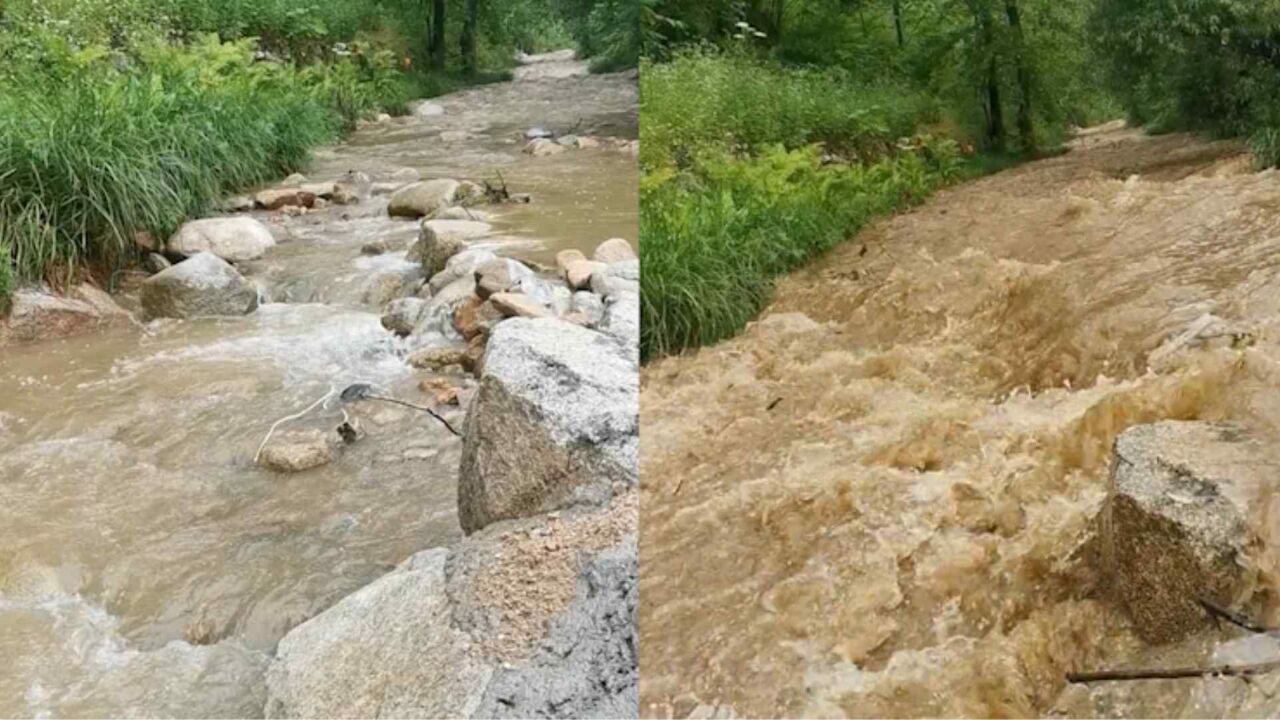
878,500
147,565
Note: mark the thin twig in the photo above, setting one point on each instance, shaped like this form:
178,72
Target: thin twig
1233,617
295,416
428,411
1174,673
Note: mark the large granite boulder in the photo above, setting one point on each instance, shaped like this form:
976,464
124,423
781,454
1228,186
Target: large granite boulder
201,285
587,666
388,650
423,198
554,423
445,634
1185,519
231,238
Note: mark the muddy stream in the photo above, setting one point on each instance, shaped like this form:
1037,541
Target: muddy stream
877,500
147,566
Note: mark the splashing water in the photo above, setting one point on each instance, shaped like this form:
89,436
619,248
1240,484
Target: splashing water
878,501
147,566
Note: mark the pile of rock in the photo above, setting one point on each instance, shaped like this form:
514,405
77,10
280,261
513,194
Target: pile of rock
470,291
534,613
544,146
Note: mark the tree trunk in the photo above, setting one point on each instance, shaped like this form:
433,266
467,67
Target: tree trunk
993,109
469,38
1026,127
897,23
437,34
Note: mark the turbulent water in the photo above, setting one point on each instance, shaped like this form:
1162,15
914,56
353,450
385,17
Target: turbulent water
147,567
878,500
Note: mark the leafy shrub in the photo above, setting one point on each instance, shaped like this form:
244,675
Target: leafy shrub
722,101
714,240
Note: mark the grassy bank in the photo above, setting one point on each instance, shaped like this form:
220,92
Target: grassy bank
127,116
751,170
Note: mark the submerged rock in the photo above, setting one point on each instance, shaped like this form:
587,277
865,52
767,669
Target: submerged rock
201,285
278,198
352,188
423,198
1177,524
297,450
235,239
554,424
543,147
387,650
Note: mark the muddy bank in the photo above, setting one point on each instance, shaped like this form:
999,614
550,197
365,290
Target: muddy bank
879,500
148,562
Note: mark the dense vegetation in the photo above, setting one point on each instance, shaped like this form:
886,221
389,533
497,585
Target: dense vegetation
126,116
1196,64
775,129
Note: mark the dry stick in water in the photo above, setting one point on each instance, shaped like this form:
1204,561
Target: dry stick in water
428,411
1173,673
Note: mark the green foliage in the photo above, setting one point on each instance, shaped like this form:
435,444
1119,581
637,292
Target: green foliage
706,101
100,155
751,169
1196,64
119,116
714,241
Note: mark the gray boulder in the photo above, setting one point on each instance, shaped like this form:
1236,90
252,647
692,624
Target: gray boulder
200,285
589,305
616,278
460,265
434,251
388,650
423,198
402,315
554,423
1178,522
232,238
621,320
587,665
614,250
500,275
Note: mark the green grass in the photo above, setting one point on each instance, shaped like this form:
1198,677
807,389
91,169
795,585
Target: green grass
714,243
720,102
740,186
90,155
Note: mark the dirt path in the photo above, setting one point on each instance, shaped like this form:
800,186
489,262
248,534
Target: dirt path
873,501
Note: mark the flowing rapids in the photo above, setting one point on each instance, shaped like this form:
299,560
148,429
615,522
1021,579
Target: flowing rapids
877,500
147,566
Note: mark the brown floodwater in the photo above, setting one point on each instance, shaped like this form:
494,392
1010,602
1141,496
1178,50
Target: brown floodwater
878,500
147,566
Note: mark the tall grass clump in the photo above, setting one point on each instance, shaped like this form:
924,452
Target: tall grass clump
90,157
750,171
